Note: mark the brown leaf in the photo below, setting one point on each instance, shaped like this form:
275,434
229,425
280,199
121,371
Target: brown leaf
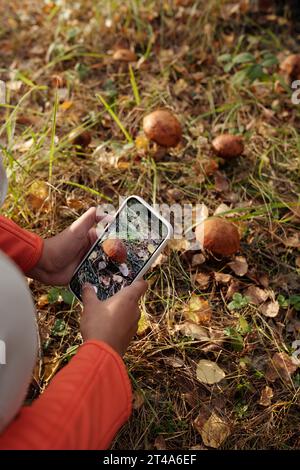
214,431
266,396
256,295
159,260
198,310
239,266
174,361
222,278
270,308
293,241
221,182
178,244
203,279
234,287
198,259
194,331
280,366
160,443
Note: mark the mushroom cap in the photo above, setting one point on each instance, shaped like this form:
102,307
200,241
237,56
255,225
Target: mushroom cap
124,55
115,249
228,146
162,127
219,236
80,137
291,66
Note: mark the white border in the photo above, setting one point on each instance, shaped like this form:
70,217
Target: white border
152,257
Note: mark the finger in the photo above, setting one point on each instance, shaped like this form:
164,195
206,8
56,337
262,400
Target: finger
82,225
103,216
88,294
133,292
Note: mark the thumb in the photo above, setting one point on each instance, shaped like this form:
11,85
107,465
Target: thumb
82,225
88,294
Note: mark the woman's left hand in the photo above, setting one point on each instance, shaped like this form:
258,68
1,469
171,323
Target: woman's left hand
62,254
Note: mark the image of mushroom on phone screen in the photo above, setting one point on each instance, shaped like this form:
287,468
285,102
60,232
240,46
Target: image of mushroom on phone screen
125,251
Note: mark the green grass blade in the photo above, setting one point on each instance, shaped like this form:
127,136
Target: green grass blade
89,190
115,118
134,86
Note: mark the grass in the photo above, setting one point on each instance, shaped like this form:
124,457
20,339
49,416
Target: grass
178,44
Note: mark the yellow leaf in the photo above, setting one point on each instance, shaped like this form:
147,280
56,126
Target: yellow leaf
214,431
141,142
198,310
144,323
66,105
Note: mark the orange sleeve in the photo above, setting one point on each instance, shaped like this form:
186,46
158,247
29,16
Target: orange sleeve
84,406
23,247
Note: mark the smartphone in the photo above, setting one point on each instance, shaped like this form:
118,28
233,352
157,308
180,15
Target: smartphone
124,252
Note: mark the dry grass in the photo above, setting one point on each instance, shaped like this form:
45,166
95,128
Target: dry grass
180,42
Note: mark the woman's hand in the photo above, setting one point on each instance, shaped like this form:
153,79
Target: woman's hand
114,320
62,253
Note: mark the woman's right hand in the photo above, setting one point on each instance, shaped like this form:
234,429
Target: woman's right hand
114,320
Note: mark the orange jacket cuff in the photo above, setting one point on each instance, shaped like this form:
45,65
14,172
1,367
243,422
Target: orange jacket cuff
23,247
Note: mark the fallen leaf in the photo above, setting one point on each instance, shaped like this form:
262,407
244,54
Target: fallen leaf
175,362
75,203
214,431
198,259
266,396
178,244
270,308
221,182
144,323
160,443
159,260
193,330
202,279
293,241
280,366
239,266
37,195
66,105
222,278
233,288
257,295
221,209
209,372
198,310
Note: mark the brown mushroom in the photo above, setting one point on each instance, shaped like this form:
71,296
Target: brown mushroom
228,146
162,127
80,137
124,55
219,236
115,249
290,67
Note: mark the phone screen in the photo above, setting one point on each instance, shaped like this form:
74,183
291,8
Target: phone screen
123,250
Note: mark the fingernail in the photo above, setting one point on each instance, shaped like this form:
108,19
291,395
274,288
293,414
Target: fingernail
87,285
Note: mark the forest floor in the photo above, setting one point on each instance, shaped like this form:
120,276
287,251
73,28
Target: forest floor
216,66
